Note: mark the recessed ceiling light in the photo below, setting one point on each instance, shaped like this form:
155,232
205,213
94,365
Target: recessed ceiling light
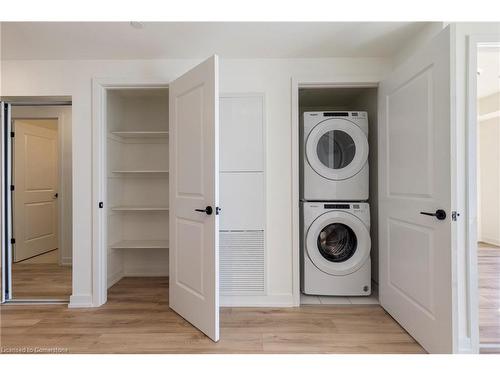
137,24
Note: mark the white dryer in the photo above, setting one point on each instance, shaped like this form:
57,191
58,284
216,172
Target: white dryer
336,245
335,156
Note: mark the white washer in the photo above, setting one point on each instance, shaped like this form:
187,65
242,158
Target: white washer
335,156
336,245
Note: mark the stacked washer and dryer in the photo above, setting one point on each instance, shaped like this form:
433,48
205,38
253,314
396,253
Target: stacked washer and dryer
335,215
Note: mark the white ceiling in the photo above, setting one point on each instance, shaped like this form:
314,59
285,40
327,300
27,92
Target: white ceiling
118,40
488,64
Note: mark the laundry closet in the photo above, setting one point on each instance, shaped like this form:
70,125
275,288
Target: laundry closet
337,149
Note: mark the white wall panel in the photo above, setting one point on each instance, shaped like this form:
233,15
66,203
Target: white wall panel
241,197
241,133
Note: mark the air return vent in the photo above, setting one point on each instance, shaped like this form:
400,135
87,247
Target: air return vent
242,263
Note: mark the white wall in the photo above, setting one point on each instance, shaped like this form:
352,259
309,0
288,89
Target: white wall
368,102
489,170
65,190
419,40
269,76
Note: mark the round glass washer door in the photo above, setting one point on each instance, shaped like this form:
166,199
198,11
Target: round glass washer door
337,149
338,243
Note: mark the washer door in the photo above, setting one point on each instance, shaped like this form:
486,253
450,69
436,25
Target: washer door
338,243
337,149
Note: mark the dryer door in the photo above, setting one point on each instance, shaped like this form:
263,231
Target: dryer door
338,243
337,149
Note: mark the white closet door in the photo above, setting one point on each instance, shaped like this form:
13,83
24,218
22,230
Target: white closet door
416,129
35,195
194,174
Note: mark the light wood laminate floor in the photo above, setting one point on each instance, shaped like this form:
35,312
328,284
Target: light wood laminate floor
41,281
489,293
137,319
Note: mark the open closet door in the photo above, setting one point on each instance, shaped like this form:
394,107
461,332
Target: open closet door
416,129
194,197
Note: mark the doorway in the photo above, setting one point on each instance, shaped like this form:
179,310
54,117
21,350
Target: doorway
37,264
155,189
488,193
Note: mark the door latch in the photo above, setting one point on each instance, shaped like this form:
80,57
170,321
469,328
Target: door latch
454,215
101,204
218,210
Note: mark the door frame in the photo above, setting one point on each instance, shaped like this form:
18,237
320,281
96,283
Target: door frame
99,177
471,127
296,84
6,148
6,205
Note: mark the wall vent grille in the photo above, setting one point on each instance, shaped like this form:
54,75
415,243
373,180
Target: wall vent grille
242,265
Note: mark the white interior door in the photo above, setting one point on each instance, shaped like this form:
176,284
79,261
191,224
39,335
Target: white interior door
415,176
194,173
35,195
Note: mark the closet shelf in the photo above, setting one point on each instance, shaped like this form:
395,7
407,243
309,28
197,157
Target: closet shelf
141,134
141,171
135,208
140,244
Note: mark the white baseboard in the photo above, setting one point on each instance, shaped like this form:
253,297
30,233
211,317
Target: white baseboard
80,301
273,300
491,241
114,278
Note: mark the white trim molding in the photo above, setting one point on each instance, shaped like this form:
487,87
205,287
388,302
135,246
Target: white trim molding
81,301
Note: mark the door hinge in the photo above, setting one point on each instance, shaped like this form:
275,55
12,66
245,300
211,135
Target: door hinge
12,134
12,187
454,215
12,241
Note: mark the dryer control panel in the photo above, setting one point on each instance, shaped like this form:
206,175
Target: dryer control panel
346,114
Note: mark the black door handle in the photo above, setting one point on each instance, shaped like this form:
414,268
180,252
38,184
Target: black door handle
439,214
208,210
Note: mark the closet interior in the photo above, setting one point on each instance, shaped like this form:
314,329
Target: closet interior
137,182
354,98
